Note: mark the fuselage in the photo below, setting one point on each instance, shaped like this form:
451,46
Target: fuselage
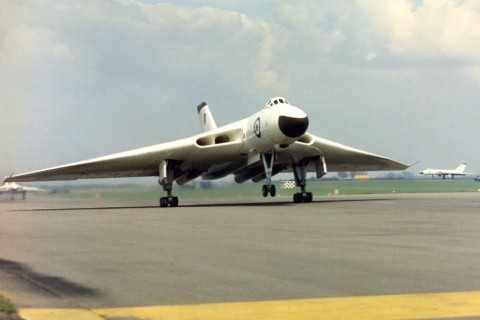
273,128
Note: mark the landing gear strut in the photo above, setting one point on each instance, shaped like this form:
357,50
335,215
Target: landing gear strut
166,176
269,188
300,174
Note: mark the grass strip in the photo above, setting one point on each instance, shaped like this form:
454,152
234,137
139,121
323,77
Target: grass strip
6,306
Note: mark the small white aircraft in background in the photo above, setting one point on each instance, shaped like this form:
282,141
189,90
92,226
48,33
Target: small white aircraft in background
273,140
14,188
458,171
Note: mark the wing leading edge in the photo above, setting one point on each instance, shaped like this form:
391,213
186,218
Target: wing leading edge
341,158
193,154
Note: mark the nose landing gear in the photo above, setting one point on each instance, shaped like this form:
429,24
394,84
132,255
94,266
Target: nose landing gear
266,190
269,188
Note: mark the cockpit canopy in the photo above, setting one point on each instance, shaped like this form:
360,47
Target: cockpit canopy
275,101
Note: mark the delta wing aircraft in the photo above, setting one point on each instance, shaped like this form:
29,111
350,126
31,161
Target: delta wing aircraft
14,188
458,171
273,140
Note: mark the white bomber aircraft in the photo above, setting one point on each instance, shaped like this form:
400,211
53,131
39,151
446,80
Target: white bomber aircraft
14,188
458,171
272,140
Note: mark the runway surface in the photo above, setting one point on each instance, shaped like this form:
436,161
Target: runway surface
409,256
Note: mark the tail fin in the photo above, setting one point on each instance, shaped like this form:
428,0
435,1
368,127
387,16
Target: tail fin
461,168
207,122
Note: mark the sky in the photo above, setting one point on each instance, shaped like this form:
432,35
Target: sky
82,79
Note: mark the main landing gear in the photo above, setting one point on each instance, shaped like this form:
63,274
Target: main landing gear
300,174
169,201
302,197
166,176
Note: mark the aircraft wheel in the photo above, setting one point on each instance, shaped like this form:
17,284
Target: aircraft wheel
168,201
304,197
273,191
163,202
264,190
309,197
296,198
174,202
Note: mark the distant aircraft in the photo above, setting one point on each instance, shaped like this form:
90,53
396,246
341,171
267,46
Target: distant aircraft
14,188
459,171
270,141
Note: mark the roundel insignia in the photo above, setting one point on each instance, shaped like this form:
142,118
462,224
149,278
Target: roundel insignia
256,127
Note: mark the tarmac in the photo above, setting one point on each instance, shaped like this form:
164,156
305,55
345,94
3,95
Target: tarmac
403,256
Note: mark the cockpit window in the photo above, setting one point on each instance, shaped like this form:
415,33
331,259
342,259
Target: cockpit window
275,101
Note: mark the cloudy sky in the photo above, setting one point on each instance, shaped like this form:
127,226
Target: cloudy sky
81,79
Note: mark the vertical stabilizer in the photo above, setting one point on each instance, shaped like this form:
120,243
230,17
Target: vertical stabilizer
461,168
207,122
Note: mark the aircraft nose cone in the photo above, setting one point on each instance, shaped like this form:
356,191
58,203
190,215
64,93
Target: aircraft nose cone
293,127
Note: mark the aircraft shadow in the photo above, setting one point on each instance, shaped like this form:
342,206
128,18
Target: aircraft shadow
211,205
44,284
277,203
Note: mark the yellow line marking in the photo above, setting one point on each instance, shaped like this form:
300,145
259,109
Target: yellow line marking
409,306
58,314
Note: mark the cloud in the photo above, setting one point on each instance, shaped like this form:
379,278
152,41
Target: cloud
95,64
434,30
388,33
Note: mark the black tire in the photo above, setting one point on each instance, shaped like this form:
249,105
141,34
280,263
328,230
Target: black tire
273,190
163,202
309,197
296,198
264,190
